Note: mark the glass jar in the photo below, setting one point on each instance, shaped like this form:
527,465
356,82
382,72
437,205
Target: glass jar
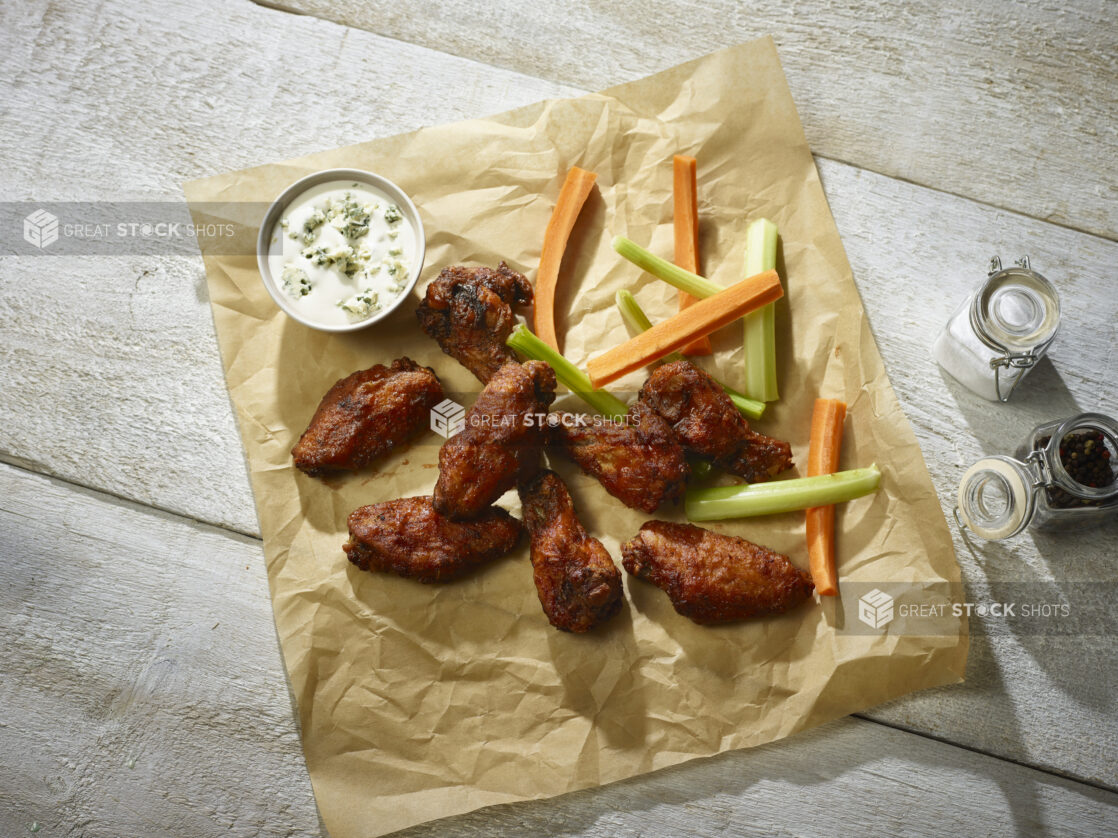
1062,478
1000,331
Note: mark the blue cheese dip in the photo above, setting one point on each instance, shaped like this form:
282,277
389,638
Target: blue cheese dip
346,252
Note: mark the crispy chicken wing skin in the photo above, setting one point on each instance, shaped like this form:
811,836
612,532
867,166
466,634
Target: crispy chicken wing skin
640,462
409,538
500,441
759,458
578,583
469,312
705,420
712,578
365,415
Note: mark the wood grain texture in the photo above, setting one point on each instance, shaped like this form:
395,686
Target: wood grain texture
136,706
911,274
1006,102
135,405
111,375
111,379
130,702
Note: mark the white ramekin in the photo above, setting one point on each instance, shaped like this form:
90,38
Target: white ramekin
268,233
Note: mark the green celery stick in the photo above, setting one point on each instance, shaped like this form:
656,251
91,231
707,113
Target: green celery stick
747,407
760,325
636,321
701,469
578,382
744,501
693,284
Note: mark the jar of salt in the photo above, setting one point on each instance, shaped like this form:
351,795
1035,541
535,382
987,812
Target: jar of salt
1062,478
1000,331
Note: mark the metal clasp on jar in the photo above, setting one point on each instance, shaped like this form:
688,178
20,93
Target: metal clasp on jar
1008,359
1038,468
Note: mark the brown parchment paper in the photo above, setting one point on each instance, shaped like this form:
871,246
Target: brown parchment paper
419,702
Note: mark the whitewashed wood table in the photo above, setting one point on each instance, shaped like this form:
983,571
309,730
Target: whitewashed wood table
141,690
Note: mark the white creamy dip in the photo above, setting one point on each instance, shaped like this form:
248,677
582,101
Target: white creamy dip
342,252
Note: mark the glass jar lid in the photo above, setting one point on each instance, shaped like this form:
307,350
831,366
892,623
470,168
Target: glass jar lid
996,498
1017,310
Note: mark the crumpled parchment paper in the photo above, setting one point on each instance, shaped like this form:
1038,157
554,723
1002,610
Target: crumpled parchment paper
418,702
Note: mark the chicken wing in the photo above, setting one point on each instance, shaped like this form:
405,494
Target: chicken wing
409,538
365,415
500,440
705,420
578,583
468,311
712,578
638,462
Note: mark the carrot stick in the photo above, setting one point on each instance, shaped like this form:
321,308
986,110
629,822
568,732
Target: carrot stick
686,226
680,329
823,458
576,188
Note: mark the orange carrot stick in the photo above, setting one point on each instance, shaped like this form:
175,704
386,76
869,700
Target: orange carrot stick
576,188
823,458
686,226
680,329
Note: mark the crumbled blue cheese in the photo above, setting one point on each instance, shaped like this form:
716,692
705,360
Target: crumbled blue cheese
342,256
310,227
344,213
347,252
350,217
395,268
361,305
295,282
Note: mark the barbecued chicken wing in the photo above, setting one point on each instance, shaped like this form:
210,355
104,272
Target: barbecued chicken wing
365,415
499,442
705,420
468,311
639,462
578,583
712,578
409,538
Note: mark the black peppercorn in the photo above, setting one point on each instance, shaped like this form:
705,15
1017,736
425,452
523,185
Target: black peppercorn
1086,459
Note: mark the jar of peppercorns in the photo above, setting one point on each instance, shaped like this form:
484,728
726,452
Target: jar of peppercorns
1063,477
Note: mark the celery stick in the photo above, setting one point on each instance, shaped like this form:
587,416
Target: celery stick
744,501
637,321
760,325
633,315
747,407
693,284
758,359
701,469
578,382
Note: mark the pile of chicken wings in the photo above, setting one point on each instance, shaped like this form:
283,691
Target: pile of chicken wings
680,413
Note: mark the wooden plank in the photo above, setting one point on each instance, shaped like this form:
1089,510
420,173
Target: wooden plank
910,275
141,689
111,373
111,379
1008,103
139,705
